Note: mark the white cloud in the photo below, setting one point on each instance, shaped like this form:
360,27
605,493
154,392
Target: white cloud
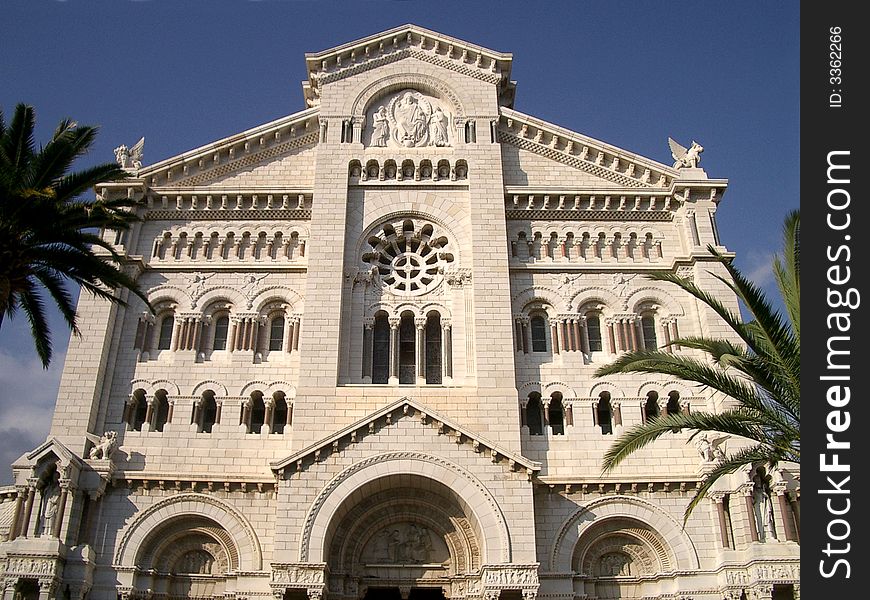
27,397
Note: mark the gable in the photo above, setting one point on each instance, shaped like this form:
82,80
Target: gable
407,411
537,152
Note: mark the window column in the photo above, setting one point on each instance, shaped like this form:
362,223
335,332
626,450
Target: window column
420,350
368,341
447,348
394,349
611,336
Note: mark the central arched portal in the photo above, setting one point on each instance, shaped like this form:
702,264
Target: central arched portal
402,536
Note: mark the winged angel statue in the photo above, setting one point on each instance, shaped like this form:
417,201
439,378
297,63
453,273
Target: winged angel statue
685,157
130,158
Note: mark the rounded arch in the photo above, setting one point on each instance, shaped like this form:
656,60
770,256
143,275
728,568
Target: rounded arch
254,386
196,506
211,295
596,295
539,294
480,505
167,295
384,86
656,296
219,389
558,386
676,543
616,392
152,387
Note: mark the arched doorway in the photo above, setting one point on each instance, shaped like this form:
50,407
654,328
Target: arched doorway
402,537
187,557
617,556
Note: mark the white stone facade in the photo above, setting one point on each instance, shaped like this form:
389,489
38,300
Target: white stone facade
369,371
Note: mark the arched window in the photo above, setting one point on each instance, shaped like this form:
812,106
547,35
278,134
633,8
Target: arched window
605,413
593,330
648,328
258,413
164,340
433,348
161,411
381,349
407,349
280,412
673,405
137,411
556,414
276,334
221,333
538,326
534,414
651,408
207,412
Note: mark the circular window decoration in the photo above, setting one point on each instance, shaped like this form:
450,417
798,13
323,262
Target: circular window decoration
409,257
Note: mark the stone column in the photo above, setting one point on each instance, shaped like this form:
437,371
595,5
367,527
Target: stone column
20,495
246,415
394,349
269,401
566,338
59,520
297,325
149,413
554,336
578,334
196,419
611,338
782,514
447,348
46,589
218,407
368,348
524,323
631,324
675,333
420,349
518,334
717,499
750,514
584,336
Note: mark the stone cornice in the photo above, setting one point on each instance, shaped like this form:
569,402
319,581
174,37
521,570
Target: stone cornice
386,416
406,41
582,152
235,151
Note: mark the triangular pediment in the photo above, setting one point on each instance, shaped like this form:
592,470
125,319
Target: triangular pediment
579,160
408,41
405,408
51,446
238,160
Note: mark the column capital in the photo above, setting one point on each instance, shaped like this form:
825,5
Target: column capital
394,322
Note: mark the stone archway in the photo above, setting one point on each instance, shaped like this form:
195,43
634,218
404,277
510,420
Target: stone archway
406,534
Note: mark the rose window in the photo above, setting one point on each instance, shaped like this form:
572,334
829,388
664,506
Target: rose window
408,257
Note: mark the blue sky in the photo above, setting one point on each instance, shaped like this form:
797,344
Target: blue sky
633,73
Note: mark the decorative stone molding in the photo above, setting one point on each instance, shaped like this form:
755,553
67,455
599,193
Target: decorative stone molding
233,521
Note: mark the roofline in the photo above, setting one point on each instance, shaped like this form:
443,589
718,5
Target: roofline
389,409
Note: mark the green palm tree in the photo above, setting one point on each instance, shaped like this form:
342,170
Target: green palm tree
48,234
762,373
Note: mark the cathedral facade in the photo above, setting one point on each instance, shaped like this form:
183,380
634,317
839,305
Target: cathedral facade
369,368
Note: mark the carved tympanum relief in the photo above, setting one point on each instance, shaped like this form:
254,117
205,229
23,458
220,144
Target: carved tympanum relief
405,543
409,119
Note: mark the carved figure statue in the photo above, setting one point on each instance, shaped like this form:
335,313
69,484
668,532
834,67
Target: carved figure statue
130,158
50,497
762,505
413,121
381,128
103,446
685,157
711,450
438,127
